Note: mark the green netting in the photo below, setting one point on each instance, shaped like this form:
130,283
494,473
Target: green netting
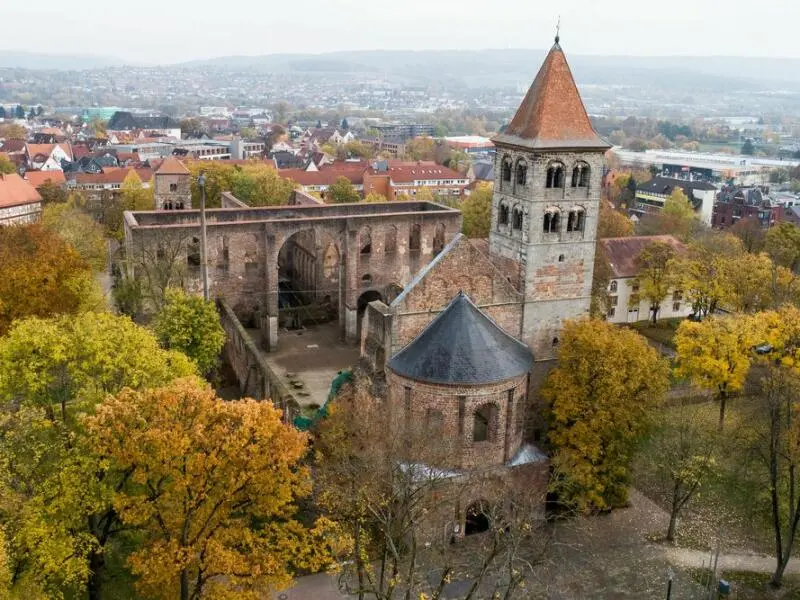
305,423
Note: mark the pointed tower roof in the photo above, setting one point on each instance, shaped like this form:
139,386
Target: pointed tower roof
462,346
552,115
172,166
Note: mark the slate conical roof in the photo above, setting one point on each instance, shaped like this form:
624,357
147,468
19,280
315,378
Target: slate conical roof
552,115
462,346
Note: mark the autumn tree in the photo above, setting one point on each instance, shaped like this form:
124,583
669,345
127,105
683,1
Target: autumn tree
751,233
704,274
80,231
342,191
214,487
612,223
681,457
159,262
56,502
676,218
52,193
259,184
717,353
6,166
424,194
383,487
748,282
133,193
477,212
421,148
782,245
218,177
601,278
42,275
599,397
655,275
12,131
374,197
190,325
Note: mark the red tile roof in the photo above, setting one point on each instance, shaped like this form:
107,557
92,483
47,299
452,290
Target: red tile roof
47,149
15,191
325,176
408,173
13,146
623,252
111,176
37,178
172,166
552,114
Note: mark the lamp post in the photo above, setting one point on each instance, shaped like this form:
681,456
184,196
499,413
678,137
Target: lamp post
201,182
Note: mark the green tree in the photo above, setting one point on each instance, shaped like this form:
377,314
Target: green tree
216,485
261,185
599,397
55,500
477,212
52,193
748,148
374,197
342,192
19,112
80,231
6,166
133,193
190,325
676,218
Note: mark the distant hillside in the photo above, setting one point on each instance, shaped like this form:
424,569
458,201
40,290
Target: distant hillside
509,66
32,60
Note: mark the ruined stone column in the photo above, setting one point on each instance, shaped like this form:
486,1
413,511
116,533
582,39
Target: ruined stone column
350,282
272,247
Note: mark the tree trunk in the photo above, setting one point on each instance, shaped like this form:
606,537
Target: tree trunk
185,584
94,585
721,411
673,524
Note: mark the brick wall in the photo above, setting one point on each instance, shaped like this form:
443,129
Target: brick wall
410,401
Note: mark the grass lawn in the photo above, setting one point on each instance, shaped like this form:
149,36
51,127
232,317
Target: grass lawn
732,503
663,332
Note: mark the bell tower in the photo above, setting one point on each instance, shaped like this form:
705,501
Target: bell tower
548,170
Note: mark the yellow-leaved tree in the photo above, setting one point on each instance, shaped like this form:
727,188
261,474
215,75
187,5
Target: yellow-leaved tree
55,499
716,354
599,397
213,488
655,275
477,211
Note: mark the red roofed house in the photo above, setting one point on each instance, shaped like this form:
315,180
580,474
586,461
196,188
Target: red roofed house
626,305
390,178
47,157
20,203
37,178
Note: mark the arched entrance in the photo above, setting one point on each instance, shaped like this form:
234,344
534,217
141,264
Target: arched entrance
363,300
308,280
477,521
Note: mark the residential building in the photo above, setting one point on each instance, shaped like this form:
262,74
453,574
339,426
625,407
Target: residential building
243,149
172,186
626,304
395,148
736,203
402,132
47,157
471,144
110,179
20,203
126,122
651,196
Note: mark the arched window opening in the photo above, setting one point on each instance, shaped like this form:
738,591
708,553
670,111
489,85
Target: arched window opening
415,238
558,177
477,520
365,242
434,422
390,240
575,220
484,423
551,175
438,239
507,170
522,172
584,180
614,287
555,342
366,278
502,217
561,258
516,219
551,221
576,176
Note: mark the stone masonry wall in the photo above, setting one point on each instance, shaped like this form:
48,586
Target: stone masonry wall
410,401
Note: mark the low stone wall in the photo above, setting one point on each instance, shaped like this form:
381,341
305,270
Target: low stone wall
256,378
228,200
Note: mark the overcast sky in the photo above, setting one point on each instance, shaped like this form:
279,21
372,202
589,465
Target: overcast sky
167,31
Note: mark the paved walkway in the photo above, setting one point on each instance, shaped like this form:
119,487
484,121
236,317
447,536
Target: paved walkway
756,563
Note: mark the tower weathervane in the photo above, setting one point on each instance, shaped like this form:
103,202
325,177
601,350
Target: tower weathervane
558,30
